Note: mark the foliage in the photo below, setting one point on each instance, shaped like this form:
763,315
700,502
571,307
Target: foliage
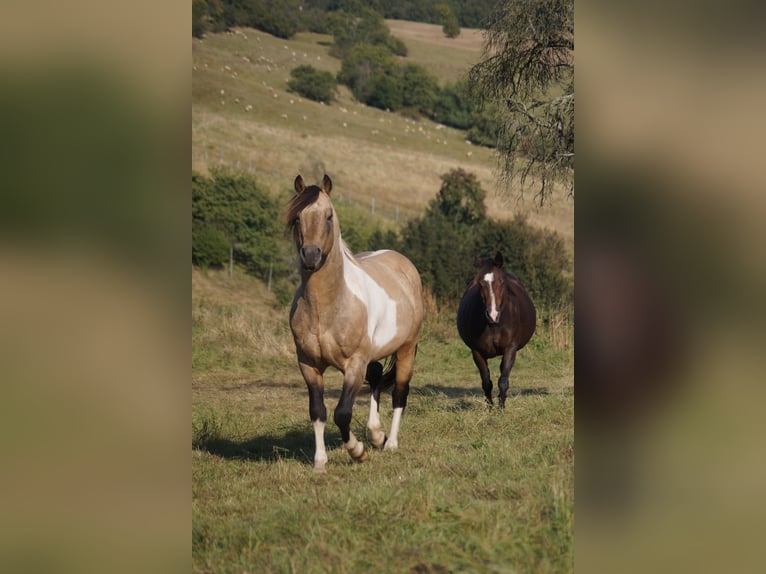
454,106
362,67
231,209
419,89
529,72
455,230
210,247
376,79
448,20
467,13
317,85
485,126
280,19
460,198
355,24
207,16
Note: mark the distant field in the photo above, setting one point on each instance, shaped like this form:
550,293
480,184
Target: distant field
447,58
243,117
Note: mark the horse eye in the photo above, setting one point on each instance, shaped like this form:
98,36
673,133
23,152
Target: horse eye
329,217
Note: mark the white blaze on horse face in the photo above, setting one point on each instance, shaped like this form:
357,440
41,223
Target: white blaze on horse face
489,278
381,309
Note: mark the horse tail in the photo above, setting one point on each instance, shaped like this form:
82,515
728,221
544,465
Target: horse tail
381,378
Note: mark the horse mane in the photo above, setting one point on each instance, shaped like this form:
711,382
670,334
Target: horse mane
299,202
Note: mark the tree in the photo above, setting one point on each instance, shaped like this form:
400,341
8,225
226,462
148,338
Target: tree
419,89
448,20
230,209
460,198
361,67
313,84
528,69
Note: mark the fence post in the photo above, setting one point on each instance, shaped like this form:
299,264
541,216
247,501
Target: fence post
271,268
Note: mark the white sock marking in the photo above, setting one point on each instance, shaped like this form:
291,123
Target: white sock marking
373,423
320,455
393,439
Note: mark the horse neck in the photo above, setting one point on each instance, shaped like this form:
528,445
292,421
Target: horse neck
326,285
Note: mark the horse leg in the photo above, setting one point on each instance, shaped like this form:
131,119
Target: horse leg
317,412
509,358
486,381
375,376
352,381
405,365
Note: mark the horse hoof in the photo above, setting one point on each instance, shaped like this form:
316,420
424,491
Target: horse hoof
362,457
378,439
390,446
320,470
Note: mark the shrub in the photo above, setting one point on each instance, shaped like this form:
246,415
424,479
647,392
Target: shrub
277,18
362,66
231,209
313,84
210,247
455,229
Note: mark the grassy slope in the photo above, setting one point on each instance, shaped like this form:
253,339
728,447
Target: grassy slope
469,490
369,153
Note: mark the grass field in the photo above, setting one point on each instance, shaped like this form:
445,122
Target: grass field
469,490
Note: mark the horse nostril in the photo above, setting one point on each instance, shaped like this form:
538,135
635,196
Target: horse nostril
310,255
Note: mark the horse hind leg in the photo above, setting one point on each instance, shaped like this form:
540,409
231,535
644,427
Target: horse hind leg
405,365
374,377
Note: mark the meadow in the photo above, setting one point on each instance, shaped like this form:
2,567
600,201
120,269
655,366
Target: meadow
470,489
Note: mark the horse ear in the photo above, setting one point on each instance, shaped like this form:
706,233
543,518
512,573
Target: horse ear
299,185
326,184
477,261
498,259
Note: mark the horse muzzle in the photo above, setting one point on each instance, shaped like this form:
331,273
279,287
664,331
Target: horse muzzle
490,319
311,257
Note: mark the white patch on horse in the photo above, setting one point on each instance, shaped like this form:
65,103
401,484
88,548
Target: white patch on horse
489,277
381,309
320,455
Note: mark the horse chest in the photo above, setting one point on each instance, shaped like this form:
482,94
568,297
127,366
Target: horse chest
493,341
320,337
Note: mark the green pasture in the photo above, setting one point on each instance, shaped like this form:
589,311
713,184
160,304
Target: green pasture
469,490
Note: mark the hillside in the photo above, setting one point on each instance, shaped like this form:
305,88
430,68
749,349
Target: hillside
243,117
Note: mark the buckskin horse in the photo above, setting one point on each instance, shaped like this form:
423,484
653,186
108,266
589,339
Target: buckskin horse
495,317
349,312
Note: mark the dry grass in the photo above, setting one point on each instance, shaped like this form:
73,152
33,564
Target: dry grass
369,153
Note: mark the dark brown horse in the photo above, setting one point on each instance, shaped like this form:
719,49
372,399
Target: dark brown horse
349,312
496,317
